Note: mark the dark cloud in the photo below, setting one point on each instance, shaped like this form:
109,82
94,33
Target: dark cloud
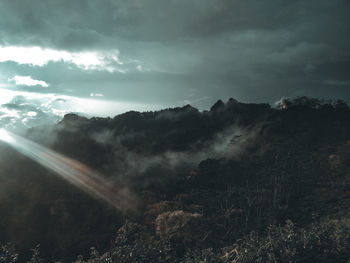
88,22
177,51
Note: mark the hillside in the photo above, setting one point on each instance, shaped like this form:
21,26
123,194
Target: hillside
239,183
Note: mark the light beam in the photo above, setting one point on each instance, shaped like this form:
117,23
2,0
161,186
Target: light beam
73,171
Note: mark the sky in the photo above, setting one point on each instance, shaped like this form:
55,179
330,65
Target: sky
104,57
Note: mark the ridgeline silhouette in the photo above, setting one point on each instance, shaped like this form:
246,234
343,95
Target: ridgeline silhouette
239,183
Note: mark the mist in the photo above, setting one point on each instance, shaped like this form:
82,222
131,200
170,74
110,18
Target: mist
178,131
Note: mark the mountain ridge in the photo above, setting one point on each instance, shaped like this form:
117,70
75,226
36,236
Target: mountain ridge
204,180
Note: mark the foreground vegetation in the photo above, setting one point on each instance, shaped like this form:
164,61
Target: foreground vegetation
240,183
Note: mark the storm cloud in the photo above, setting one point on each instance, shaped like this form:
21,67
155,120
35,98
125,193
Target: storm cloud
177,52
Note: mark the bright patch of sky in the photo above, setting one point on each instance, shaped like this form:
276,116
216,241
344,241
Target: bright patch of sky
20,110
38,56
28,81
96,95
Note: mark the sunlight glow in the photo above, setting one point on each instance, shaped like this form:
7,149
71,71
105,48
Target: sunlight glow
28,81
37,56
21,109
6,95
32,113
6,137
73,171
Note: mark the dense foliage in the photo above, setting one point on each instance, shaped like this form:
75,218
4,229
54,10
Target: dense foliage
238,183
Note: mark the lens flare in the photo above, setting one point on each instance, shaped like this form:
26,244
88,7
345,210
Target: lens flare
6,137
74,172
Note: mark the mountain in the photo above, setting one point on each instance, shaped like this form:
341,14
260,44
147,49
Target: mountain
239,183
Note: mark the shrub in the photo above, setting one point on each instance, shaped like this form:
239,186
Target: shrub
324,241
8,254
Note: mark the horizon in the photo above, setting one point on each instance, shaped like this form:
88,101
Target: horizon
174,131
152,55
58,106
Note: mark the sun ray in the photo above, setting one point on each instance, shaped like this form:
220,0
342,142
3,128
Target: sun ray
73,171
